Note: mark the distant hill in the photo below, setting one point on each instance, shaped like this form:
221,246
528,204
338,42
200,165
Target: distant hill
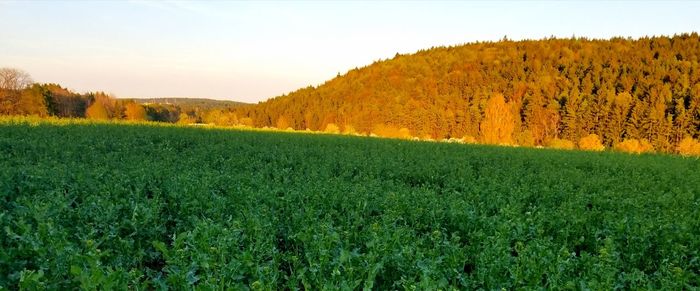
187,104
532,92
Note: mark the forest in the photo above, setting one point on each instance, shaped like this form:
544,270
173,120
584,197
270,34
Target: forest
638,95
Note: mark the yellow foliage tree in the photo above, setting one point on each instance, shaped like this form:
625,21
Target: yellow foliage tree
108,103
211,117
591,142
634,146
97,111
222,118
689,147
134,111
498,124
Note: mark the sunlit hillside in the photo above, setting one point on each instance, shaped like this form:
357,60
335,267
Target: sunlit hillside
550,92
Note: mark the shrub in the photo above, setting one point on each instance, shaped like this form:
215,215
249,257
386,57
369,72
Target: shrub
689,147
332,128
634,146
591,142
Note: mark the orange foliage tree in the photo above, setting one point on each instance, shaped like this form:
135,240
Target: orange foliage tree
498,124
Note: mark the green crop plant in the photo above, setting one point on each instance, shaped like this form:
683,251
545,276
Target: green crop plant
114,206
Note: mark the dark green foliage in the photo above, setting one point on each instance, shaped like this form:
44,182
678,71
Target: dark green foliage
162,112
117,207
191,104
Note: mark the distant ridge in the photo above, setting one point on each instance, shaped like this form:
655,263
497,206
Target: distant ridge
187,103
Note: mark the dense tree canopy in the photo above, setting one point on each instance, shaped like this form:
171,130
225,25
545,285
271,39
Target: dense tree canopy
646,89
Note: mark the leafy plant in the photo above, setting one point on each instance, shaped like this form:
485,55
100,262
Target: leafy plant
109,206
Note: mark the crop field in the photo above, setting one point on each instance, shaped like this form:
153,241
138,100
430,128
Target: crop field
113,206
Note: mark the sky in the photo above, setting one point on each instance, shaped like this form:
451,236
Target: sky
250,51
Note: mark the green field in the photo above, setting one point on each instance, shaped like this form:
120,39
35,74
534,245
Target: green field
111,206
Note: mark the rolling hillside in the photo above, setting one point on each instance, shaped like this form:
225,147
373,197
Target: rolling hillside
534,92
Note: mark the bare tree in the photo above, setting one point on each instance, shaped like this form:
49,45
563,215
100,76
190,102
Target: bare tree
14,79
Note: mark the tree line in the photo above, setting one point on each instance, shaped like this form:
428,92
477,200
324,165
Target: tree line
19,95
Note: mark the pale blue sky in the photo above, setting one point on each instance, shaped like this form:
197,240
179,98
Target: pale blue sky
251,51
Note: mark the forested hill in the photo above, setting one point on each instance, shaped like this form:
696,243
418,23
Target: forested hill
191,103
529,92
